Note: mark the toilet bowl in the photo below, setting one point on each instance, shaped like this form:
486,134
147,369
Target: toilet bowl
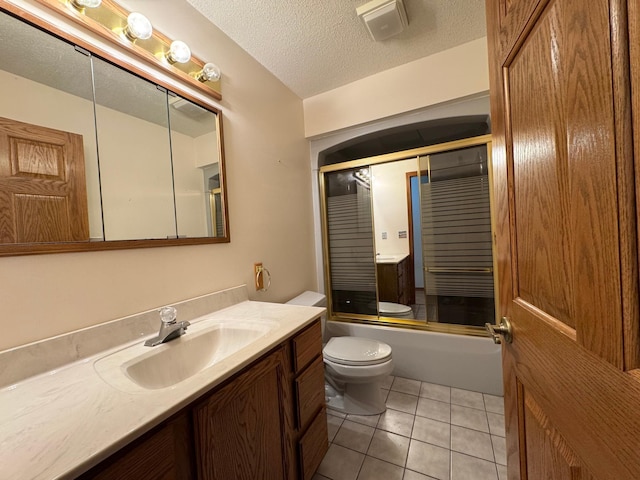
395,310
355,368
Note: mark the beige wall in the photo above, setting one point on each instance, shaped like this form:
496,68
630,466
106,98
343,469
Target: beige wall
189,183
459,72
269,205
138,204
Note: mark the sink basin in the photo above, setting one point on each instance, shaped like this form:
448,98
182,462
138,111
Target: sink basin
168,364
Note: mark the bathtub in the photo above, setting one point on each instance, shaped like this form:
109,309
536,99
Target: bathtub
460,361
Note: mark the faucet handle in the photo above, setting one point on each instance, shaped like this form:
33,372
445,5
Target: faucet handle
168,314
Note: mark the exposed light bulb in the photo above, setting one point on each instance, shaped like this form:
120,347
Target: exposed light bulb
210,72
179,52
81,4
138,27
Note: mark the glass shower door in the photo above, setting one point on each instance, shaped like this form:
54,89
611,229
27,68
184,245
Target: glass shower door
350,241
456,237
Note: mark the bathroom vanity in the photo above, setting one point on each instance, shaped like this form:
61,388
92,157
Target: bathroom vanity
247,427
395,279
258,412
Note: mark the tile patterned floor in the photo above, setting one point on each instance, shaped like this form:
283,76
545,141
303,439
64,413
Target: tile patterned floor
428,432
420,307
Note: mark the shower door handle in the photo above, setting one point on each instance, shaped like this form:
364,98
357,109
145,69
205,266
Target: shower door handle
503,329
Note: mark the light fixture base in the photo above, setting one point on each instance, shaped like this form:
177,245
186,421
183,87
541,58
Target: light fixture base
81,5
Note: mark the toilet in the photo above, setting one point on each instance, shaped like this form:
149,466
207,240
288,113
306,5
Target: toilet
355,367
395,310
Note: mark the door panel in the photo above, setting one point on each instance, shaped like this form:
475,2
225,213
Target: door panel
557,460
566,241
540,163
42,217
592,404
512,16
42,179
564,172
631,327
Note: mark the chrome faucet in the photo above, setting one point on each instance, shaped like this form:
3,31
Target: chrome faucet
169,328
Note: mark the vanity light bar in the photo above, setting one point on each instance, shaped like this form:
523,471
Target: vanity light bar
134,32
82,4
210,72
179,52
138,27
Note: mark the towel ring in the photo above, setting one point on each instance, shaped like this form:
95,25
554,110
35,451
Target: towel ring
262,271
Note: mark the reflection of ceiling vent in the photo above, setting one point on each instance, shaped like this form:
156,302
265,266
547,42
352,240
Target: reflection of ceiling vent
383,18
190,109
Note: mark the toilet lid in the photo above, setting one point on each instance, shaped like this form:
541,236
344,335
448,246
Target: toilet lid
388,307
356,351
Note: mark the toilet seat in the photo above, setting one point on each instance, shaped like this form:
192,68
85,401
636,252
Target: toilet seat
359,373
394,308
356,351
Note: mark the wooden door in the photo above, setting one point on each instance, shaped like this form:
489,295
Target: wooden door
566,236
42,185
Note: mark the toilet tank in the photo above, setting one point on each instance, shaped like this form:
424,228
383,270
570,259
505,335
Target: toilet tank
312,299
309,299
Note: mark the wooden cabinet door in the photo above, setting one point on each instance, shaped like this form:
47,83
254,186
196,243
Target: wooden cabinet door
163,454
388,282
42,185
239,430
566,237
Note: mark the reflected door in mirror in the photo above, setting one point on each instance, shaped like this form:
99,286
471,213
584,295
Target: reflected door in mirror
42,185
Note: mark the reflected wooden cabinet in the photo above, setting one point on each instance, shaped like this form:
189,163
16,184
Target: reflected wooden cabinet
267,423
396,283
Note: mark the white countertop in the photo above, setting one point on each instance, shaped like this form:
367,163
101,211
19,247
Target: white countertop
61,423
395,258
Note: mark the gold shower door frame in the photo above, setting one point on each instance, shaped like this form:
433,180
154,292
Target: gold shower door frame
392,157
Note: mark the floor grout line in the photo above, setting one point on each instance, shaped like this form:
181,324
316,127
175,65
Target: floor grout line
410,437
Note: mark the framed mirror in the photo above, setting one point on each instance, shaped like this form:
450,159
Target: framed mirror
94,157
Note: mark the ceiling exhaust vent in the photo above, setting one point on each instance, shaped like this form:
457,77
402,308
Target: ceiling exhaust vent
383,18
188,108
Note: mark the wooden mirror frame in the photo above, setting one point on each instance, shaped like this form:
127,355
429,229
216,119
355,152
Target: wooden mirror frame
124,62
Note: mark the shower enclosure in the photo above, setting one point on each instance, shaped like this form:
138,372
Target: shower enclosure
411,232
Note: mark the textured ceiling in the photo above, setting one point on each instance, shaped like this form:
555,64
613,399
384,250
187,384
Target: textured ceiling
316,45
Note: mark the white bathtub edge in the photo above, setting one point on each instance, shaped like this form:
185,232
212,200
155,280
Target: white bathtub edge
460,361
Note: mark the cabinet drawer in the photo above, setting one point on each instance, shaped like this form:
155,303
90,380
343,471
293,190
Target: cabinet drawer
313,445
306,346
309,392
